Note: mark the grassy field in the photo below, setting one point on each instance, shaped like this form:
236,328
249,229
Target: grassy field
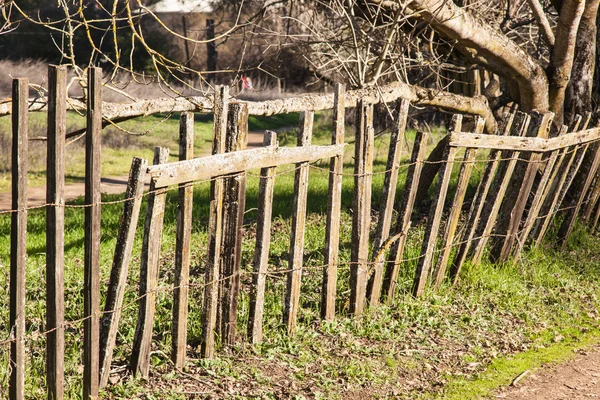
435,346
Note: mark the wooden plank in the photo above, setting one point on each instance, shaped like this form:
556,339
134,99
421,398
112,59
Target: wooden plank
361,209
478,203
294,275
404,214
142,342
334,206
91,293
109,324
459,197
433,222
233,223
261,249
224,164
18,237
215,226
55,231
592,200
181,278
522,180
388,196
498,190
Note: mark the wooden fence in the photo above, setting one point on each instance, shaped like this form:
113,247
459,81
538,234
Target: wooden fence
528,171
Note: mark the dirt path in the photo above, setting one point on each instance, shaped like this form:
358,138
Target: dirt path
576,379
36,196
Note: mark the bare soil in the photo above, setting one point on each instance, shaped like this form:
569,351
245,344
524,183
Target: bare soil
575,379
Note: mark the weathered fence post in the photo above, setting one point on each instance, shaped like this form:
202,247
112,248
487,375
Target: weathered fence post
18,236
182,246
91,298
261,249
478,203
433,222
456,208
55,231
233,221
404,214
513,207
215,228
390,183
294,276
118,275
334,204
361,212
142,342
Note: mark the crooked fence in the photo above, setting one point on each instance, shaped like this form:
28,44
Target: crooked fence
527,182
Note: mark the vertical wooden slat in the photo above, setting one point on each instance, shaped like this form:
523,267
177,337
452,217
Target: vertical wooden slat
233,222
294,276
334,203
18,236
142,342
91,298
478,203
461,189
182,246
498,190
55,231
387,200
109,324
513,207
261,249
404,214
361,209
433,222
592,200
215,228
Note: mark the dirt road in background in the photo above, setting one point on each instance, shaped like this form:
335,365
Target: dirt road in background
576,379
36,196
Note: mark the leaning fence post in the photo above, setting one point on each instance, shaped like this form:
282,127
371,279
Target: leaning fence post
294,276
233,222
455,210
142,342
433,223
215,225
387,203
261,249
18,236
182,246
91,298
109,324
361,213
478,203
55,230
404,214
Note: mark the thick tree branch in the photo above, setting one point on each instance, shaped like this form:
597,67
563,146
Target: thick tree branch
542,20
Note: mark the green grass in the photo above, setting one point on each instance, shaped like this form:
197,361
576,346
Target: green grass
439,345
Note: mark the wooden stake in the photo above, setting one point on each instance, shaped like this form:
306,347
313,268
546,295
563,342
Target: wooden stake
294,276
361,215
404,214
109,324
91,298
263,243
55,231
215,226
233,222
18,236
461,189
388,196
142,342
334,203
181,277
